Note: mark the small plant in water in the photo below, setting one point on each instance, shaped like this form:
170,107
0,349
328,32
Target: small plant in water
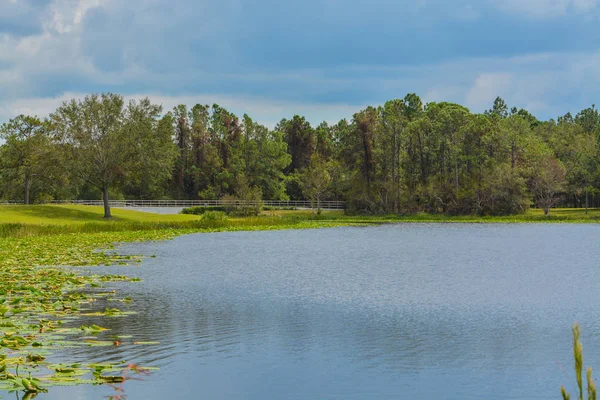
117,382
578,354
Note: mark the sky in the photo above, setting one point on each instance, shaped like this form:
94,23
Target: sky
324,59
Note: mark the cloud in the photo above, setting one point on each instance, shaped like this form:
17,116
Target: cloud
22,18
487,87
265,111
322,56
468,13
546,8
547,85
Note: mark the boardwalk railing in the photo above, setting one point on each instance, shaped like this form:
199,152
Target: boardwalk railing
326,205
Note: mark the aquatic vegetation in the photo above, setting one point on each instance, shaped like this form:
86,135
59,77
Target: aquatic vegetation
121,379
41,301
40,304
578,355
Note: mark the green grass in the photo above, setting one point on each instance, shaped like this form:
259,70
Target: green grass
572,215
74,215
23,221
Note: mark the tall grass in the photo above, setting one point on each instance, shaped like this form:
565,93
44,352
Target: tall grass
203,224
578,355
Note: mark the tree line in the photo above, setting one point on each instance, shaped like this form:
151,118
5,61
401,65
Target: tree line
401,157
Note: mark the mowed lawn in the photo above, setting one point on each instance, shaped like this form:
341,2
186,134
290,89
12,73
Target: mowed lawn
77,214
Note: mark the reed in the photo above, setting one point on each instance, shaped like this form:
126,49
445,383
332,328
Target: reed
578,356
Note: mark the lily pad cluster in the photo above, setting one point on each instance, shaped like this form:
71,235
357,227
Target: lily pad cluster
41,302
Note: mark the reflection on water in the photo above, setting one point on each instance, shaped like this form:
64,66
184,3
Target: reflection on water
405,312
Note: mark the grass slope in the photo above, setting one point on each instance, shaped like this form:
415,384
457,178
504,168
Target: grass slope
23,221
74,214
572,215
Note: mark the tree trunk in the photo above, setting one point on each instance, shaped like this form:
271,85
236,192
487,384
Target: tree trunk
27,188
587,202
318,205
546,210
456,174
512,155
106,203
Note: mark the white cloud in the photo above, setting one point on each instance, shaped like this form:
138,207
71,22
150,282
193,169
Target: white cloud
487,87
55,63
546,8
467,13
265,111
547,85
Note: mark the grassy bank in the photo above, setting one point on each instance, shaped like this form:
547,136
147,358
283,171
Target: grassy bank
572,215
25,221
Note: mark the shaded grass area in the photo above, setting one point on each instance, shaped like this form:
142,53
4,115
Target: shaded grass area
78,214
25,221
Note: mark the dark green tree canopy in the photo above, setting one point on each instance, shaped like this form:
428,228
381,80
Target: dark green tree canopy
402,156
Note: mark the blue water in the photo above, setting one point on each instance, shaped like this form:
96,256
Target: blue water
410,311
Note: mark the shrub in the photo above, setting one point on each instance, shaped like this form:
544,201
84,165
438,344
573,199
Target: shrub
273,208
214,216
199,210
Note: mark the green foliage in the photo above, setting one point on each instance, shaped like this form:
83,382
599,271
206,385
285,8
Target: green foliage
106,143
401,157
214,216
199,210
315,181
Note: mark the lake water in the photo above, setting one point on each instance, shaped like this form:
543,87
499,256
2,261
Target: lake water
410,311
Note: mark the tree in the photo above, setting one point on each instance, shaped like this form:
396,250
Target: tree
547,182
514,130
105,142
499,109
315,181
394,123
248,198
265,158
502,192
24,152
589,119
155,153
301,141
182,138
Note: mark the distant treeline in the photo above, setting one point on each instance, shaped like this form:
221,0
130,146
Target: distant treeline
401,157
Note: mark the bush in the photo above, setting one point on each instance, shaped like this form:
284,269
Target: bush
273,208
214,216
200,210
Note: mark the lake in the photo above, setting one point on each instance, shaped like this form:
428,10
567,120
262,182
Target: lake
407,311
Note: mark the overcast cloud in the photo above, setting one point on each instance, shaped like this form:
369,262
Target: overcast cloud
321,58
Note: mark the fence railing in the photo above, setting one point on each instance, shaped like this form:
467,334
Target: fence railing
328,205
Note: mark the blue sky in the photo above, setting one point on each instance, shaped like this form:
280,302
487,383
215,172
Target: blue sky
324,59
